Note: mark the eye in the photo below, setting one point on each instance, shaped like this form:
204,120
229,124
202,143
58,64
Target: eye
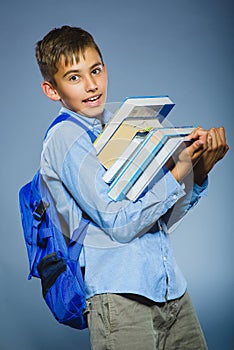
74,78
97,70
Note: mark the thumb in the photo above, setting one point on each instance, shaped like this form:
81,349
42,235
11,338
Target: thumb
196,148
198,144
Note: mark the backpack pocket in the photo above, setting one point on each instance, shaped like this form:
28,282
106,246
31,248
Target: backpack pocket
63,290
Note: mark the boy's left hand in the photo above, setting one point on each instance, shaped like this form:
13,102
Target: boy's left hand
215,151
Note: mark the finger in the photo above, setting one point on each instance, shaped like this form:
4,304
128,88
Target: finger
196,148
224,147
193,135
221,143
204,139
213,144
196,133
218,142
209,141
222,134
221,139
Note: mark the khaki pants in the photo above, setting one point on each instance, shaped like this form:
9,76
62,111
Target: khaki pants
119,323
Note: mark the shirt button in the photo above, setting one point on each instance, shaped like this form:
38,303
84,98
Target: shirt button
165,258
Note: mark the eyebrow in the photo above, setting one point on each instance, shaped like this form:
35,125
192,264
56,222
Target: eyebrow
78,70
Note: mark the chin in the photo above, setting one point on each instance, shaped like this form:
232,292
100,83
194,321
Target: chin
94,112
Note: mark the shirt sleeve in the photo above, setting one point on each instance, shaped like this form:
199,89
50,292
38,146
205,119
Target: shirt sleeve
80,171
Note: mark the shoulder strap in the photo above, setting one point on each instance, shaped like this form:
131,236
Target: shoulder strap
79,234
65,116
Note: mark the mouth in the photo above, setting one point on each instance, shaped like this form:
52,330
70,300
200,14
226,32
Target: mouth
93,100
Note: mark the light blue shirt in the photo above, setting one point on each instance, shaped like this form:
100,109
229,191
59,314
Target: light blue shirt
127,248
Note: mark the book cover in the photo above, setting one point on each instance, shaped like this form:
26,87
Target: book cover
142,107
158,162
122,138
125,156
152,144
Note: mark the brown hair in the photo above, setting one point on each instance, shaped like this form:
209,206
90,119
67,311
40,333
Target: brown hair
66,41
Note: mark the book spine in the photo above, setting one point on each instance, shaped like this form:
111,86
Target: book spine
124,159
135,168
153,168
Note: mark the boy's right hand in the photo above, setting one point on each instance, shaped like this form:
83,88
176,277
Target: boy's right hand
216,149
191,154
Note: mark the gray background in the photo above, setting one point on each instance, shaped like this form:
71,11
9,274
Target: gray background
181,48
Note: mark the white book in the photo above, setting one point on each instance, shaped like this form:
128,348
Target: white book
152,170
150,147
140,106
114,170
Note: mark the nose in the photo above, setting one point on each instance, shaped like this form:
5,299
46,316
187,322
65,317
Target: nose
90,83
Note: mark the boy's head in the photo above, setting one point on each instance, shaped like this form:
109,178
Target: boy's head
69,42
73,70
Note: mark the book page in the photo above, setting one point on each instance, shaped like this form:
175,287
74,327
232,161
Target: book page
117,144
144,123
145,111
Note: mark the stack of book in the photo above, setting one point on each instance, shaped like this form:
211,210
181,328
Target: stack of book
135,145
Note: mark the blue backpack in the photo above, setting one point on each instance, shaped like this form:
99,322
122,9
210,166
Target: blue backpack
52,257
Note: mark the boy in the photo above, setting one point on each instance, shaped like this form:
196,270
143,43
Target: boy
136,294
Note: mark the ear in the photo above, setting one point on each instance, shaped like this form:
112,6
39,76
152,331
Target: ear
50,91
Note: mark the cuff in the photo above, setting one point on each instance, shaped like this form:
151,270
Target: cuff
201,190
167,189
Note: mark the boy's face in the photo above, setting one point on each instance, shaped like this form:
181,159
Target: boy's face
80,87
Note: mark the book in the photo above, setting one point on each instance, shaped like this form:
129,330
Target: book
125,156
121,139
143,108
168,139
172,146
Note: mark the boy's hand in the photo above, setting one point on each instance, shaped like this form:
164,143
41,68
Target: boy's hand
190,156
216,150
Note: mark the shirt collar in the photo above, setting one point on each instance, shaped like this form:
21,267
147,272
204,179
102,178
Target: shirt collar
89,122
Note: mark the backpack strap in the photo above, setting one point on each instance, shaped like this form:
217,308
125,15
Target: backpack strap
77,239
65,116
80,233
